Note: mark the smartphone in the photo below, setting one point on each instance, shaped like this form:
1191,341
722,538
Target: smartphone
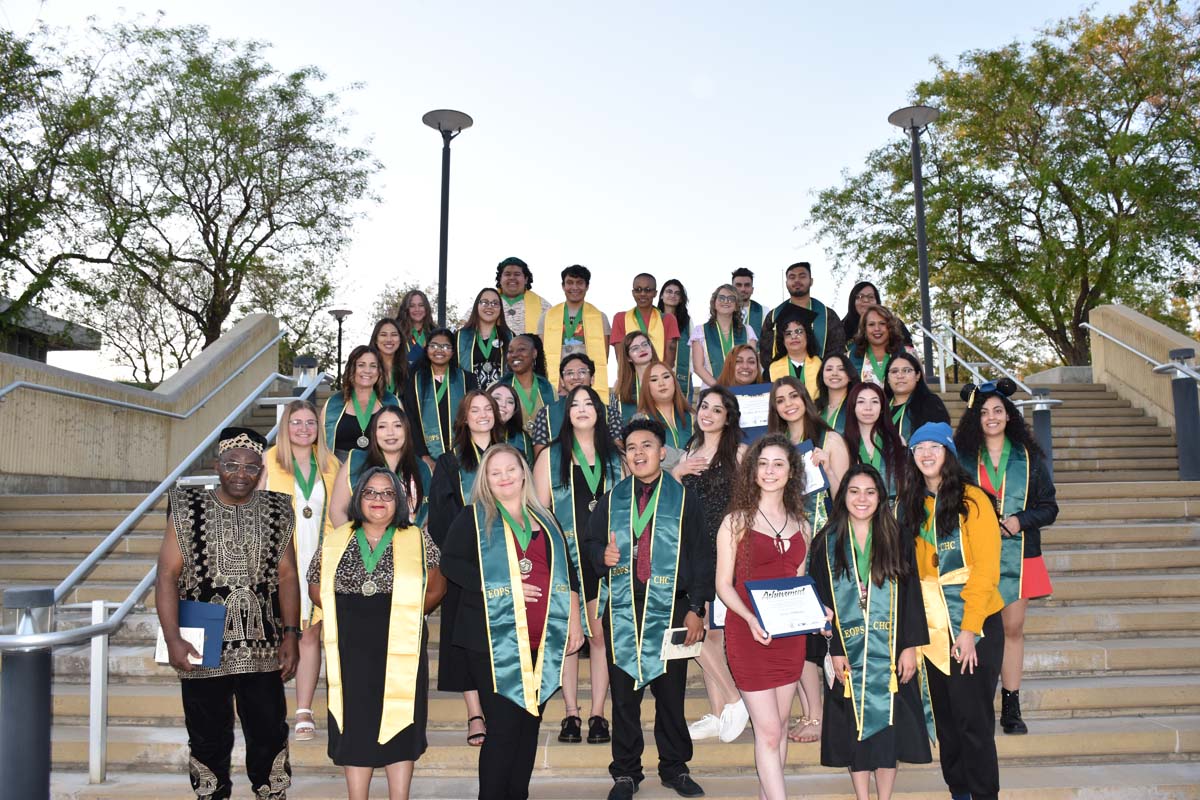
678,637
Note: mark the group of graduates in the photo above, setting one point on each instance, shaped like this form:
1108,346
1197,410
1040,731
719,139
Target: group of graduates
493,471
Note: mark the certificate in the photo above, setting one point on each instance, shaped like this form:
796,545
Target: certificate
787,606
814,476
754,403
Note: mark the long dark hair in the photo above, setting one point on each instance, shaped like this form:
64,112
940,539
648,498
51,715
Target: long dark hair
504,333
407,468
815,427
823,390
889,555
921,390
516,423
682,317
423,362
969,436
851,319
895,342
951,500
350,368
565,439
895,455
464,448
731,434
399,374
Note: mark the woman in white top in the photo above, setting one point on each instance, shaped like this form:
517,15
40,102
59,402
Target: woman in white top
713,341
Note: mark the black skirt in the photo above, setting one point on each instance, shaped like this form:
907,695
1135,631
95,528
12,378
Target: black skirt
453,675
905,740
362,647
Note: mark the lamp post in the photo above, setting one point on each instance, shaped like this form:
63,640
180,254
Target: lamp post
339,314
914,120
449,124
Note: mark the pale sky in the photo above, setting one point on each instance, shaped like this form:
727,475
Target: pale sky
680,139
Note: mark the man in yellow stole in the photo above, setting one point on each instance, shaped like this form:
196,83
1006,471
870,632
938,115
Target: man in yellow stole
522,306
646,541
576,326
662,330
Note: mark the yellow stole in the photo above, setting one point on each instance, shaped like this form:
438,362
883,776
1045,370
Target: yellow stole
533,312
593,339
405,626
654,329
812,368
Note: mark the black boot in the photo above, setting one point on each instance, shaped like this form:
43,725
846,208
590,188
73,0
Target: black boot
1010,712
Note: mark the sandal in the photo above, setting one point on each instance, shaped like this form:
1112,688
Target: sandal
476,739
306,730
803,736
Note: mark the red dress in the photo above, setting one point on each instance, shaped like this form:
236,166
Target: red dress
754,666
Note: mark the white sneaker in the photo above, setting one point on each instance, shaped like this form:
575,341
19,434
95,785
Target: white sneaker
706,727
734,718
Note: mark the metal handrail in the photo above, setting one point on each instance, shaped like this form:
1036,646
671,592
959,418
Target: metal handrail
39,387
947,350
1156,366
1007,373
109,626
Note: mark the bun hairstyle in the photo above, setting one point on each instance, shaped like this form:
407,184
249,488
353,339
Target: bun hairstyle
974,395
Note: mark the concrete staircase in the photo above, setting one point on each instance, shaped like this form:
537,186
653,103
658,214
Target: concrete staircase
1112,689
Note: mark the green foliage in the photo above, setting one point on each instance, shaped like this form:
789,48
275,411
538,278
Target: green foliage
1061,175
388,301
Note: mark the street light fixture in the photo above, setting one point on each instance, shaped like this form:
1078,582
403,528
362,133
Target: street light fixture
449,124
914,120
339,314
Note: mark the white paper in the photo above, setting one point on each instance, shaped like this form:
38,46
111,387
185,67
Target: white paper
717,612
786,611
670,651
814,476
193,636
754,408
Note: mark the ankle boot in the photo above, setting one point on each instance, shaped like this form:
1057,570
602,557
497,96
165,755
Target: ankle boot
1010,713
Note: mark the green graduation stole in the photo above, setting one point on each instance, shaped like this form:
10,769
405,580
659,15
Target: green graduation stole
626,410
679,433
427,407
514,674
635,647
542,387
466,346
950,560
835,418
1011,496
563,506
755,317
523,443
683,366
902,421
868,634
820,324
555,412
715,343
335,406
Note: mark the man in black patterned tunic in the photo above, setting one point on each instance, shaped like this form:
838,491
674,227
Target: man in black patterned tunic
233,546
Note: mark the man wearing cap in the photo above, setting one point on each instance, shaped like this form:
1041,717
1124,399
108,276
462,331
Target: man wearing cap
752,312
232,547
824,321
522,306
576,326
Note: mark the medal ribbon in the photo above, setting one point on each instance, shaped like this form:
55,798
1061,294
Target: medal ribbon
306,484
370,558
528,401
363,417
642,518
996,473
862,557
419,337
874,459
641,323
485,347
591,472
523,531
439,390
570,323
877,367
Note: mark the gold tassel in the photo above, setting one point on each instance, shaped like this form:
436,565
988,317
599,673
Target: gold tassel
846,684
893,687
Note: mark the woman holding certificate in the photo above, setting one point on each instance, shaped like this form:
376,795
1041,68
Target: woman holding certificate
763,537
865,572
376,578
957,538
519,614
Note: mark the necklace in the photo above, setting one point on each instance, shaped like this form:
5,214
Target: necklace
777,531
371,555
306,484
591,473
523,533
363,417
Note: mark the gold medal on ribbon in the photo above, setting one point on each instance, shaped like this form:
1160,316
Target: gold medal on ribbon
307,512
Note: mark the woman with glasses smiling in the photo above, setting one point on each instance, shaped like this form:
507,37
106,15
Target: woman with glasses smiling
639,354
347,413
912,402
794,338
300,465
434,391
712,342
482,341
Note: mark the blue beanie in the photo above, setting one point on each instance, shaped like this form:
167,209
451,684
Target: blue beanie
937,432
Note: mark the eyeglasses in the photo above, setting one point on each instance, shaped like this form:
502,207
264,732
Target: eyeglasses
644,290
639,346
234,467
577,373
902,371
726,298
794,334
302,423
490,303
867,296
928,447
441,347
386,495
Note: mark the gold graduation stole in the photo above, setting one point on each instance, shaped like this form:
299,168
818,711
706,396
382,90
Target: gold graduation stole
594,342
654,329
809,370
943,609
405,627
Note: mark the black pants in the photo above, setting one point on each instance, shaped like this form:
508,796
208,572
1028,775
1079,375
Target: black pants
670,727
208,713
506,757
965,717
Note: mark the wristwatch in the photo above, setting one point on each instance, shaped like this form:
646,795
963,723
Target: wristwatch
291,629
697,610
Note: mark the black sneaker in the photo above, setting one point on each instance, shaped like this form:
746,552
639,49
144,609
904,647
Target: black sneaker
624,788
598,731
572,730
684,786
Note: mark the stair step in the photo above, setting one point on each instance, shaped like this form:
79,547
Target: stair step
129,568
79,544
1063,465
1168,488
1080,477
1110,452
1122,559
1104,588
73,502
1052,623
86,520
1074,535
1125,510
1114,438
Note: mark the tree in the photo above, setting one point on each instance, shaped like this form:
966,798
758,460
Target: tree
1062,175
388,301
219,172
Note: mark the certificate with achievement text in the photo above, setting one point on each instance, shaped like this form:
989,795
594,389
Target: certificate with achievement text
787,606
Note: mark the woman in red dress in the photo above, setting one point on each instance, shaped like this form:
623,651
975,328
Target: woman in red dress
763,536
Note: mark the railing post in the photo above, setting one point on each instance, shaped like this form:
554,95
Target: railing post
25,698
1187,417
98,705
1041,428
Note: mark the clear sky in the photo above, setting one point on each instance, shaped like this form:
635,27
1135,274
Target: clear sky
681,139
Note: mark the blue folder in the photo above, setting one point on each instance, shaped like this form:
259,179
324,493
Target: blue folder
210,617
781,584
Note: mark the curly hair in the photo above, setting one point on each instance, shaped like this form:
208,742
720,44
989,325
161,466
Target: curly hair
744,500
895,341
969,436
810,338
889,555
731,434
351,367
738,325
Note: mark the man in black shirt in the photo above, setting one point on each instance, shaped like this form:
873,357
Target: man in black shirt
645,539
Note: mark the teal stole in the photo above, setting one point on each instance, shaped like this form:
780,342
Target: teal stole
868,634
636,647
523,443
555,412
950,559
677,436
465,345
466,483
626,410
755,317
836,418
545,390
714,347
563,506
683,366
436,440
357,463
1011,496
515,676
902,420
820,324
335,407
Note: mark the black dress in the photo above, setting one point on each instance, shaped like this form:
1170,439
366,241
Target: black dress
906,739
714,487
445,503
362,648
583,496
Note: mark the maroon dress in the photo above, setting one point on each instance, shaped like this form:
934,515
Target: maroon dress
754,666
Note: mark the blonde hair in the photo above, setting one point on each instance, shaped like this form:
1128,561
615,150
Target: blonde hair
283,443
482,493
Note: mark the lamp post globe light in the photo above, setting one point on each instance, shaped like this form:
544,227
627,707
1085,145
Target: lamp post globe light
340,314
914,120
449,124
